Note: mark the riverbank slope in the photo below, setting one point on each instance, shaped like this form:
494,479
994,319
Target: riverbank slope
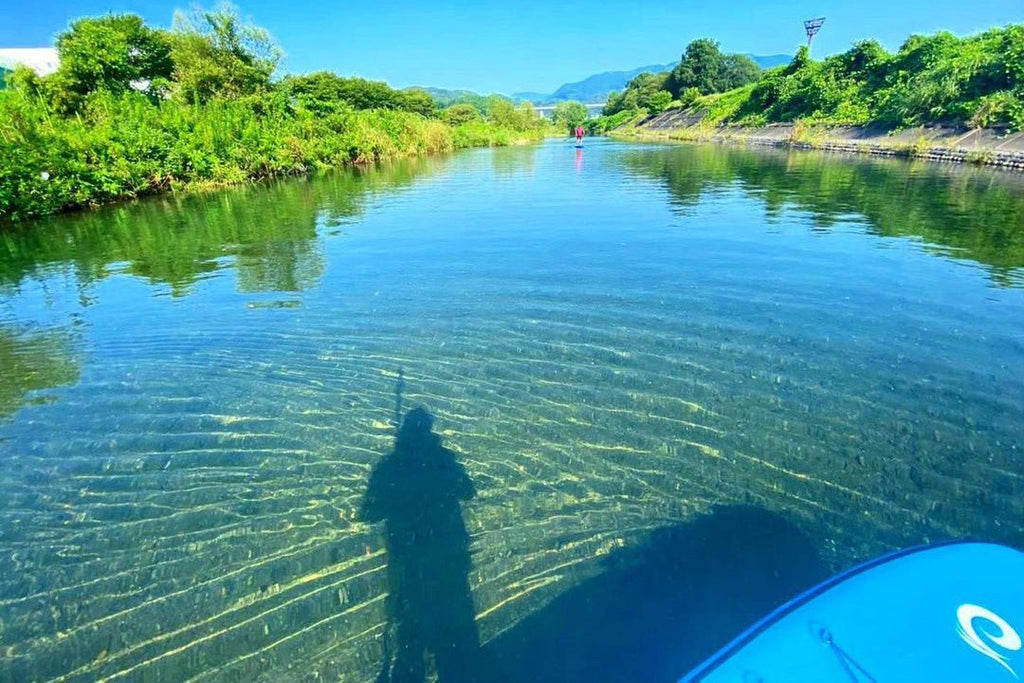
948,144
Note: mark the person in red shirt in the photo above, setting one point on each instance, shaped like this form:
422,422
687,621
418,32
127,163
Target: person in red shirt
579,135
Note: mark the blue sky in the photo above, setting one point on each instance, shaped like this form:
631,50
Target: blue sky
529,44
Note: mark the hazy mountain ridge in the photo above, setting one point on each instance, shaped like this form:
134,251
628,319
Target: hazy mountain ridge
597,87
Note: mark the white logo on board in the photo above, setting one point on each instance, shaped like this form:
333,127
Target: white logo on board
1006,637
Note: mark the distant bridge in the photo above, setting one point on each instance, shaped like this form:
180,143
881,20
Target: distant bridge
546,109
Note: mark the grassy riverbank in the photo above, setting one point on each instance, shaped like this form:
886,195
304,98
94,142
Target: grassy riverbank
135,111
946,144
122,147
972,82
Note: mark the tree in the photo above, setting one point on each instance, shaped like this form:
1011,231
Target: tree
501,111
642,92
114,53
320,92
738,71
215,54
649,91
570,114
702,66
526,117
458,114
325,92
659,102
418,101
614,104
24,80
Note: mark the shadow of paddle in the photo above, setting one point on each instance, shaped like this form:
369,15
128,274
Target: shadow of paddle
661,608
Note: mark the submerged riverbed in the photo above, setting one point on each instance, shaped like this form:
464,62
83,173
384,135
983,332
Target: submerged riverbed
683,381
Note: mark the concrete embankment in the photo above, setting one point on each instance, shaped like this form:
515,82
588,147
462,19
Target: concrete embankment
934,143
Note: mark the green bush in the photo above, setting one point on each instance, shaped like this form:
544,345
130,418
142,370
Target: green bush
644,91
976,81
704,67
931,79
326,92
569,114
122,146
458,114
87,135
603,124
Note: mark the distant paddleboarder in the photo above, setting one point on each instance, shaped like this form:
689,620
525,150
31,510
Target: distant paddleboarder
579,136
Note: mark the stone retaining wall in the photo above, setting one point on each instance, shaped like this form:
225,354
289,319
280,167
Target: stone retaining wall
933,143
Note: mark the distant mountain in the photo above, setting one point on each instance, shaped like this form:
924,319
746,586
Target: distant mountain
597,87
535,97
445,97
591,89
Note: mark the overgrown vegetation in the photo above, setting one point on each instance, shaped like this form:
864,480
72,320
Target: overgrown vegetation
702,70
569,114
977,81
645,92
134,110
706,70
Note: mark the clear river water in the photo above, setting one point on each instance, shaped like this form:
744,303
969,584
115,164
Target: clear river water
649,393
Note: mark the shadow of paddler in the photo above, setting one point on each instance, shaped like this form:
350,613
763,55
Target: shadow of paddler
417,490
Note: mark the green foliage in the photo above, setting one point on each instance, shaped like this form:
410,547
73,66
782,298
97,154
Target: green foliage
703,70
643,92
659,102
124,145
325,92
941,78
617,102
447,98
603,124
458,114
4,74
215,54
24,79
417,100
726,106
482,133
704,67
570,114
501,112
738,71
322,92
689,96
123,117
114,54
700,67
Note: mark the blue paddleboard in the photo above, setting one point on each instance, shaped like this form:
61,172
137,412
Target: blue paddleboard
946,612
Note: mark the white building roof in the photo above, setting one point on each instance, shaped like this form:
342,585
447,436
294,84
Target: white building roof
42,60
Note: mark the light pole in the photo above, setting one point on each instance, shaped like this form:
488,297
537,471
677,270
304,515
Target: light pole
812,26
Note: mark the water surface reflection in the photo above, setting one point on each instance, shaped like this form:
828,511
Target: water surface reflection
680,378
955,211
